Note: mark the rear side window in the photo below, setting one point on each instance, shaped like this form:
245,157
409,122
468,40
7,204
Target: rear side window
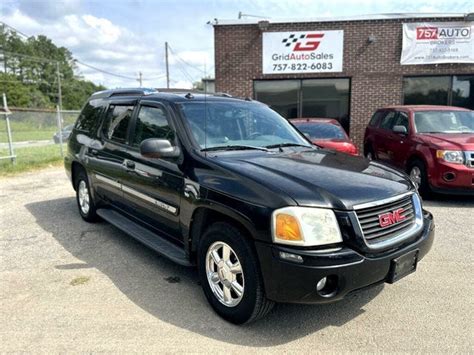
90,115
152,122
116,123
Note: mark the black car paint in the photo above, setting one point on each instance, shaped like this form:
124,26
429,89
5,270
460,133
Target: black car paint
245,187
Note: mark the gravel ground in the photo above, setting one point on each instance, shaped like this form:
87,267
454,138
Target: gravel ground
70,286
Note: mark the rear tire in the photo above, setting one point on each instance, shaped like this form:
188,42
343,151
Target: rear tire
85,203
417,172
230,275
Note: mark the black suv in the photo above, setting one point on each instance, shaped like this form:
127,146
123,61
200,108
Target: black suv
231,187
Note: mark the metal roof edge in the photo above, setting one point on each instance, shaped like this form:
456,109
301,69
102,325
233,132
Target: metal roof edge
373,17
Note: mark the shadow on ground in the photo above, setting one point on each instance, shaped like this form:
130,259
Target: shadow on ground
170,292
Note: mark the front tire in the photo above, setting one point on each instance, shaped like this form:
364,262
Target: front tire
85,203
417,172
230,275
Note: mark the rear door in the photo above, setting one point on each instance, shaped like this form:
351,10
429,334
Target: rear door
106,159
153,186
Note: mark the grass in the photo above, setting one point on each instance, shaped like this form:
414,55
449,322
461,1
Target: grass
31,158
31,135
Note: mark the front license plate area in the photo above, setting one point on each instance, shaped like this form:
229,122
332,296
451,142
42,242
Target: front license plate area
402,266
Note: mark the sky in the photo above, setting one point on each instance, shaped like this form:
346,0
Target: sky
126,37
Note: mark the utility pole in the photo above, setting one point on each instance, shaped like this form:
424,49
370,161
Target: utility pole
60,95
140,80
167,67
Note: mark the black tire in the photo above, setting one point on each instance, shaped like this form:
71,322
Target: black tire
424,186
253,304
90,214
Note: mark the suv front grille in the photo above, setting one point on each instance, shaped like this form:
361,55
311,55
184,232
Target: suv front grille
386,223
470,159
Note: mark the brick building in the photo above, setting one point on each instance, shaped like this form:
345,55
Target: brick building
370,76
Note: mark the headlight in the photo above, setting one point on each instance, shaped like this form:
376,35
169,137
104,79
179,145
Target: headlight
305,226
451,156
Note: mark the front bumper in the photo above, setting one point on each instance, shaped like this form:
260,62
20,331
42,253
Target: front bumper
460,182
296,283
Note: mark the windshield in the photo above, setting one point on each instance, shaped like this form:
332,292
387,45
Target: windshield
317,130
232,124
444,121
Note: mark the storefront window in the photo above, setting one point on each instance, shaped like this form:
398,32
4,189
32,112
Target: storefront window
426,90
463,91
439,90
327,98
280,95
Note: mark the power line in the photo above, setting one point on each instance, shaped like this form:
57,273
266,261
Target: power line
185,62
104,71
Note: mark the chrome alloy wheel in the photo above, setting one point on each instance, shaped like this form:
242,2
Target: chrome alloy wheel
224,274
415,176
83,196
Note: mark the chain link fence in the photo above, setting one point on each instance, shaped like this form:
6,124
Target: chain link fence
35,135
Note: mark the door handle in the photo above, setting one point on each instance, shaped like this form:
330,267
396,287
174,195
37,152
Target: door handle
129,165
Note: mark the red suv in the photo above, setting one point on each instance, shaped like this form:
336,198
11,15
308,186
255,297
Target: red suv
433,144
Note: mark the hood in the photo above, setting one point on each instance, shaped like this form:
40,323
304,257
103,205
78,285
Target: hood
454,141
319,178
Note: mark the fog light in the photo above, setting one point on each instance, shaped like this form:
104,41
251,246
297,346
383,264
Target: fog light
321,284
291,257
450,176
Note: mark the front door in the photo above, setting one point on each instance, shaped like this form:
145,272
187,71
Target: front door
153,186
398,145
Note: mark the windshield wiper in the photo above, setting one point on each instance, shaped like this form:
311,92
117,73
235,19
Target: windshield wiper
233,147
289,144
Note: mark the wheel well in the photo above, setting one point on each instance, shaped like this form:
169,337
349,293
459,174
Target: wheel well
367,146
75,168
412,159
202,219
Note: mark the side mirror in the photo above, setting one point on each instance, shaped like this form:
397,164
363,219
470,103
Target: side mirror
158,149
400,129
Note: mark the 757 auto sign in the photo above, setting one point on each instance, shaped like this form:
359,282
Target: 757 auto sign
432,43
302,52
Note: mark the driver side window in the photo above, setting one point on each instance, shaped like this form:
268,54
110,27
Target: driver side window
401,120
152,122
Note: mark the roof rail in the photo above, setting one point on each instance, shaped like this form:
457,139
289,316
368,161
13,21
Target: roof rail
223,94
130,92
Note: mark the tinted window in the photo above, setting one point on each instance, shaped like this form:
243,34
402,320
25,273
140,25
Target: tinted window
116,122
90,115
428,90
321,130
326,98
152,122
280,95
387,121
463,91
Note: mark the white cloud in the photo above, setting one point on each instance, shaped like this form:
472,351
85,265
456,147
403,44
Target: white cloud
108,46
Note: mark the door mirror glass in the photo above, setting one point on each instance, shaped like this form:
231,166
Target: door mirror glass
158,149
400,129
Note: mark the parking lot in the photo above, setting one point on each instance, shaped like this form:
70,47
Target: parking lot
69,286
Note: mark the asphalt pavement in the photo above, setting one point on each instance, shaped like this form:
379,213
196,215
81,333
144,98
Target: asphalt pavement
69,286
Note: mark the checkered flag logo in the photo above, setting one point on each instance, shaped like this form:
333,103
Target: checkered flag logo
292,39
303,42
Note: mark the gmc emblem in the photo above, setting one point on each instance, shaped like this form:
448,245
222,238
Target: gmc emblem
389,218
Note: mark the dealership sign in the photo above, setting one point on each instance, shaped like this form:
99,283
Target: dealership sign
433,43
302,52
